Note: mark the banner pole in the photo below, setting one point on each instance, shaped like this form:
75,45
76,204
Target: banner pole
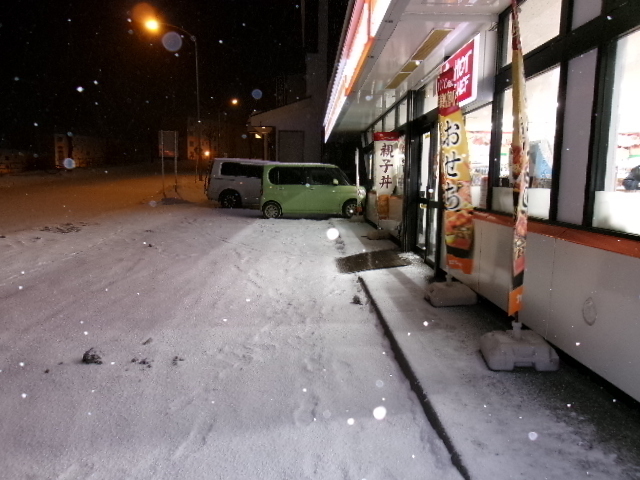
175,158
164,194
519,168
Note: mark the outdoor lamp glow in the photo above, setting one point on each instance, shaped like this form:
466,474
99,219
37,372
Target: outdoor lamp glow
152,25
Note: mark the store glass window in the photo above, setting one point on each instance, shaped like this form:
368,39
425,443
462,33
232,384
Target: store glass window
402,112
542,104
430,100
368,163
478,127
424,192
390,121
585,10
618,200
539,23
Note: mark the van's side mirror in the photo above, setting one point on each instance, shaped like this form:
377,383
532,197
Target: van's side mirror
335,181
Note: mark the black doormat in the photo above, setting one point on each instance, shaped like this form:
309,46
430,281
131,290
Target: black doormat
370,261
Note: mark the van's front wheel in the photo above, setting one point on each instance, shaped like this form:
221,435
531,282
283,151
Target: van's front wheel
349,208
271,210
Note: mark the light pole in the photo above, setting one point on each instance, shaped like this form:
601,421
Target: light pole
154,25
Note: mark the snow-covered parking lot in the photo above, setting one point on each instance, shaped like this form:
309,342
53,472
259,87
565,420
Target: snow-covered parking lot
230,346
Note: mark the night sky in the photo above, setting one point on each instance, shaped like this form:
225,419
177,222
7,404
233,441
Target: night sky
87,67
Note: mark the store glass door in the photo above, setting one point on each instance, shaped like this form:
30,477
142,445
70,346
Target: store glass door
430,204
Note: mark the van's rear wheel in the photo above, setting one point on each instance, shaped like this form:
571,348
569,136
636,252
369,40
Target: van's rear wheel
349,208
230,199
271,210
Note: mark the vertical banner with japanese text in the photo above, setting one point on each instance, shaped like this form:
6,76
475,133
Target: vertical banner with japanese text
456,176
386,156
519,167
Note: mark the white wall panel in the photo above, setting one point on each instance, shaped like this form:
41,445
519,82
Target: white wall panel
584,300
537,282
494,267
610,346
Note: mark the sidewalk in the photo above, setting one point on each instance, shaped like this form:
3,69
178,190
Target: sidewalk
497,425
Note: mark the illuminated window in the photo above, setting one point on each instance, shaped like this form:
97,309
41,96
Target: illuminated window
618,199
478,127
539,23
542,103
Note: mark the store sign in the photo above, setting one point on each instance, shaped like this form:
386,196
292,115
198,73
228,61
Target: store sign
168,143
386,158
465,71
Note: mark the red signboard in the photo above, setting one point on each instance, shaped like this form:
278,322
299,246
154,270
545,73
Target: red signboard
465,71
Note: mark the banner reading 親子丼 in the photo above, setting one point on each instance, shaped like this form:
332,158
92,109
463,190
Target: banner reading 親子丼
456,176
519,167
385,159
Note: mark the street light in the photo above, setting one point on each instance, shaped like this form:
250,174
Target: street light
154,25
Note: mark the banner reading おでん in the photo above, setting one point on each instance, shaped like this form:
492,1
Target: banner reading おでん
456,176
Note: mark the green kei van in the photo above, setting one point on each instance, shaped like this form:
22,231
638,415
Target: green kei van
307,188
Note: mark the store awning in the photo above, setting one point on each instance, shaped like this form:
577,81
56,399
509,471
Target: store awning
391,46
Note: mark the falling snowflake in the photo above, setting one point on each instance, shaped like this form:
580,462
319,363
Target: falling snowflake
379,413
333,233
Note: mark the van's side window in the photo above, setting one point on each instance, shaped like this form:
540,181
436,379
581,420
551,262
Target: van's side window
253,171
321,176
287,176
234,169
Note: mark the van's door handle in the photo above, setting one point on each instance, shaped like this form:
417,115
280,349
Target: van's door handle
280,188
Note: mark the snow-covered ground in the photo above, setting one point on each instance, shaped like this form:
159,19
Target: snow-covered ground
231,347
